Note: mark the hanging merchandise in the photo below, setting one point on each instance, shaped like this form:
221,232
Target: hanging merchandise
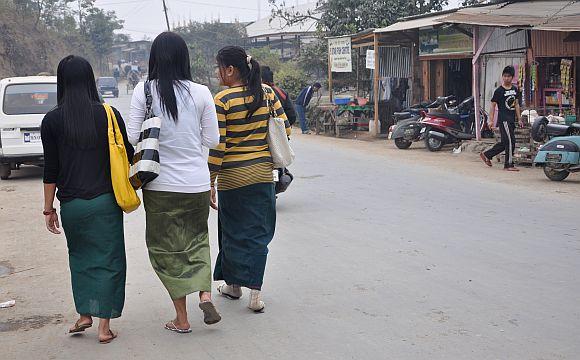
522,79
565,72
534,76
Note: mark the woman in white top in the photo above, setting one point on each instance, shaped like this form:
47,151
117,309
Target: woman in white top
177,201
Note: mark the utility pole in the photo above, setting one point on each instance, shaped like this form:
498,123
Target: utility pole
166,18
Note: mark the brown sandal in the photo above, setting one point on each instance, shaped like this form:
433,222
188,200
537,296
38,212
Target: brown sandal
108,340
210,314
79,328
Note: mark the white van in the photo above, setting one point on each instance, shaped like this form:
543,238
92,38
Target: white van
23,103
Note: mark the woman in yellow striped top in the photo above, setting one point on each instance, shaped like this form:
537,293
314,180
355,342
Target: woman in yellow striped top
242,166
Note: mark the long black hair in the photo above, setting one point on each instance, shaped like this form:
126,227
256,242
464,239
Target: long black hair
169,64
249,70
76,93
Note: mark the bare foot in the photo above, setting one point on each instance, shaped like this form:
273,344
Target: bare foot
204,296
107,337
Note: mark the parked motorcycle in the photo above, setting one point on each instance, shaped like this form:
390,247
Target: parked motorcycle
559,157
408,124
543,130
446,125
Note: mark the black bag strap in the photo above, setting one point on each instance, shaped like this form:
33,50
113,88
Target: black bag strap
148,101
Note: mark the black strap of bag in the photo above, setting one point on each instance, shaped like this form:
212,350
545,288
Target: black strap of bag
148,101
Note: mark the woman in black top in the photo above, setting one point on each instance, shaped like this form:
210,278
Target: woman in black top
76,156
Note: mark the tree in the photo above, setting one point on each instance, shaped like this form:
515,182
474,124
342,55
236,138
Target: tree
99,27
205,39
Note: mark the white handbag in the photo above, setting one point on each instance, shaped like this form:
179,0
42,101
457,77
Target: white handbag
282,153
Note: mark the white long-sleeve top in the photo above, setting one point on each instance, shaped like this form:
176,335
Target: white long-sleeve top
183,144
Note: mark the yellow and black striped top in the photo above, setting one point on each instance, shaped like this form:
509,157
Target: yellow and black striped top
243,158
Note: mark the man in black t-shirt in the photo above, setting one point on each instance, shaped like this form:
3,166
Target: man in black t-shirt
507,99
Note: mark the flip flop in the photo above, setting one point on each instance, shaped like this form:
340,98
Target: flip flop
485,159
210,314
512,169
79,328
171,327
106,341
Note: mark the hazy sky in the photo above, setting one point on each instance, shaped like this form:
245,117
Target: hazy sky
146,18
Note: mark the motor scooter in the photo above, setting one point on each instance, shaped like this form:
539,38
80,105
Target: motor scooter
445,125
559,157
408,124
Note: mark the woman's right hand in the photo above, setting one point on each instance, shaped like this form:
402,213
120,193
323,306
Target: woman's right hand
213,199
52,223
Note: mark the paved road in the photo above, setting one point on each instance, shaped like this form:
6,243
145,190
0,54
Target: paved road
374,258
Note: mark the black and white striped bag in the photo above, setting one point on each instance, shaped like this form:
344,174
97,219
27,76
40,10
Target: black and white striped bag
146,165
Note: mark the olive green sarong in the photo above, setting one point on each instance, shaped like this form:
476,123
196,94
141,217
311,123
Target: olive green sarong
96,247
178,241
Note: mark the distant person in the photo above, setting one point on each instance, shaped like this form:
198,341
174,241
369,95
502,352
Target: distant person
116,74
242,165
268,79
302,102
76,162
177,201
507,100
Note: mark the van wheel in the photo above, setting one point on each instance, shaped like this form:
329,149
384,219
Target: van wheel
5,172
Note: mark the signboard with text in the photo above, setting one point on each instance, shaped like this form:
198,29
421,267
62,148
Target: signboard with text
370,63
339,51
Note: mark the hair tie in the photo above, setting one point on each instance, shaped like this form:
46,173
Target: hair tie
249,61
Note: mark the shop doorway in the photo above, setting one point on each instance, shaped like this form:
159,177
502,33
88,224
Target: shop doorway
459,78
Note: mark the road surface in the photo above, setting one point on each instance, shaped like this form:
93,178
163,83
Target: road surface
376,256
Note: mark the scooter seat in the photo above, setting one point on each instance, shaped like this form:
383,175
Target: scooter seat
401,115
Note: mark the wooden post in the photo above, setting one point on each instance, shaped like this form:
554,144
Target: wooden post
376,84
329,76
477,49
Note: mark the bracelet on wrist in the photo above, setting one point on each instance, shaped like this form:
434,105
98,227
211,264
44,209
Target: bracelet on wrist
49,212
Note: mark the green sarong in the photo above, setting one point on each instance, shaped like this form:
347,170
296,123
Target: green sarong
96,248
178,241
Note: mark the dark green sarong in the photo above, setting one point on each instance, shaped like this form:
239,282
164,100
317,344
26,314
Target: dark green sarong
246,225
178,241
96,247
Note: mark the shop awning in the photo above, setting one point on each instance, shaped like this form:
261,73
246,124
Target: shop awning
414,23
556,15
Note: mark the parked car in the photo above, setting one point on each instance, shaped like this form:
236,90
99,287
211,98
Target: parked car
24,102
108,85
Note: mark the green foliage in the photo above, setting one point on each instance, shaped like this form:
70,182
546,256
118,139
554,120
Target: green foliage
313,58
266,57
205,39
98,28
291,78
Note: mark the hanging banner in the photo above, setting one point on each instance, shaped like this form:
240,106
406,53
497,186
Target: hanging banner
370,59
340,54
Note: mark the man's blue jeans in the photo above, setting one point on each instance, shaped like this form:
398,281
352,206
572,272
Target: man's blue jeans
302,117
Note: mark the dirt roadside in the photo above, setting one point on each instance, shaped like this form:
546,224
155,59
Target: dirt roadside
467,164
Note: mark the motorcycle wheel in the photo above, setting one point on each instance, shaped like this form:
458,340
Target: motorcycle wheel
555,175
402,143
433,144
540,129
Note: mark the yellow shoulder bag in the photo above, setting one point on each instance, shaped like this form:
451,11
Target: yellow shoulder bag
125,195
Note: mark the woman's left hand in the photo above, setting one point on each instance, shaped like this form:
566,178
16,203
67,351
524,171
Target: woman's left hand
52,223
213,199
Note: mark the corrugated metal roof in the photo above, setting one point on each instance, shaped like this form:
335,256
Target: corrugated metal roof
414,24
556,15
276,26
